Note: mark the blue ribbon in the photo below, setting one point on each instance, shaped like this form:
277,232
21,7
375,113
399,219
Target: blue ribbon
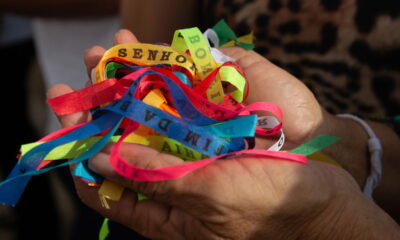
194,130
12,188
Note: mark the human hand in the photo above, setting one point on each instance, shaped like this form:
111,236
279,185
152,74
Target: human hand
304,119
303,116
219,205
240,198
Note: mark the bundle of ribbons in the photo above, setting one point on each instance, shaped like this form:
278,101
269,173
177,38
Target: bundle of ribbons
173,98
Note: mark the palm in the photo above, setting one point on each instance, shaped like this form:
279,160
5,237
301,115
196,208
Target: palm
208,197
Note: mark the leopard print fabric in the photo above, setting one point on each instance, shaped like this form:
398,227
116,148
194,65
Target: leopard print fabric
346,51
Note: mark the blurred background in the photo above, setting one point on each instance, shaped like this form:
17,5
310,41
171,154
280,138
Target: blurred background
42,43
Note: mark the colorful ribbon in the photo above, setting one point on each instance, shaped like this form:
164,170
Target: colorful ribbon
171,98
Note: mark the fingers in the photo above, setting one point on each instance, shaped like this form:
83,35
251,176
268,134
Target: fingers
150,218
70,119
142,157
135,154
92,56
124,36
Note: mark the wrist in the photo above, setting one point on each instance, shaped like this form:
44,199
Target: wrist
350,215
351,152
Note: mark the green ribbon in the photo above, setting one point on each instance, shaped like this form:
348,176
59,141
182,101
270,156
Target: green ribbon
104,230
226,34
315,145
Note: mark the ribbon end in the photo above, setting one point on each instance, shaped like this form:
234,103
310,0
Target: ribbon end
11,190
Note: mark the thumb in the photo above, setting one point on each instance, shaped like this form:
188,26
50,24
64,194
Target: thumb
142,157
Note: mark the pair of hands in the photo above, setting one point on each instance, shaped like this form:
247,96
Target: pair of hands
242,198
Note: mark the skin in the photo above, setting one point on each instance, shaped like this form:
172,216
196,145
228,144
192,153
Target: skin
304,119
245,197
